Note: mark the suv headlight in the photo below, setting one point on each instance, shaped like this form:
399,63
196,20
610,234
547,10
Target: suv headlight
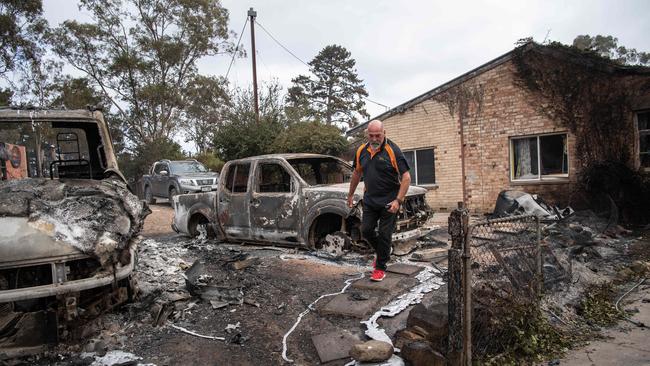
187,182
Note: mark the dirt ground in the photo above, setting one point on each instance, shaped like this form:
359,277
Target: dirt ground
276,289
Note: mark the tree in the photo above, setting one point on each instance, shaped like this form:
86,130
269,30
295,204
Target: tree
206,111
607,46
334,94
21,27
143,56
134,165
311,137
240,135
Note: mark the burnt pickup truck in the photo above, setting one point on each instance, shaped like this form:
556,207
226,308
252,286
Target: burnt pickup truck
68,226
291,199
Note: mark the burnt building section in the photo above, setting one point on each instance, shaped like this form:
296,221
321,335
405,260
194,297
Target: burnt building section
530,120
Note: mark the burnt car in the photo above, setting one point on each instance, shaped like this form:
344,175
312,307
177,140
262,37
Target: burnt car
296,199
68,226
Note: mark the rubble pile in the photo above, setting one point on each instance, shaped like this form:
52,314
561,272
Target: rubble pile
100,218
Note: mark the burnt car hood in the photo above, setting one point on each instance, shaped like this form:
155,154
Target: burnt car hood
22,243
343,188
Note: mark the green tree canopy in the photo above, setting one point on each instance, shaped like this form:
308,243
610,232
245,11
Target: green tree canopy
607,46
143,55
209,106
240,135
134,165
311,137
21,27
334,94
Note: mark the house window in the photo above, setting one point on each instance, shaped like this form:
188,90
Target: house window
643,123
541,157
422,165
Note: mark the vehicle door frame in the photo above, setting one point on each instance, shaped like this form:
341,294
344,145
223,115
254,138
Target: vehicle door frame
275,216
227,199
157,186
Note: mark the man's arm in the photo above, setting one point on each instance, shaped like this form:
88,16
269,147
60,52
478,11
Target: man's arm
354,182
403,188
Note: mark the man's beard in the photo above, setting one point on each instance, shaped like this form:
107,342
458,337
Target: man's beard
375,145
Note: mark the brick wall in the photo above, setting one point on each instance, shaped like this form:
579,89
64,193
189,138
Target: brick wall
426,125
506,111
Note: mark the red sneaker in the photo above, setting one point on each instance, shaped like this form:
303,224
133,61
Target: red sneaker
377,275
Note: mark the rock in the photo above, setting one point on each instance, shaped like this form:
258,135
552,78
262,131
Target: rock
432,320
420,353
371,351
405,336
638,267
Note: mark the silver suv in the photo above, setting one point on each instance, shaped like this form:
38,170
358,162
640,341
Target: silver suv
168,178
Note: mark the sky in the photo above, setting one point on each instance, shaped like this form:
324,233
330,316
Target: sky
404,48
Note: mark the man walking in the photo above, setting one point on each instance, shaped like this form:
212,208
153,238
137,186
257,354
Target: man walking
386,177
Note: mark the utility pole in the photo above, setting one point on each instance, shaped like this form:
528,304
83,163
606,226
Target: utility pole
252,14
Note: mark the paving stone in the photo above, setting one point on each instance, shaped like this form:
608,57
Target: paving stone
343,305
403,268
334,345
388,283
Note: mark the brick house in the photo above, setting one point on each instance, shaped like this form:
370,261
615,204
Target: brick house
508,142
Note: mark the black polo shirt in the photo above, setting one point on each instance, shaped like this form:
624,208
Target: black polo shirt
380,176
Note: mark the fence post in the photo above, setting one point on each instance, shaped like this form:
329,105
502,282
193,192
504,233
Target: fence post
455,286
467,291
539,260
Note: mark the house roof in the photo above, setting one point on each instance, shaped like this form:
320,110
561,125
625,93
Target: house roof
561,52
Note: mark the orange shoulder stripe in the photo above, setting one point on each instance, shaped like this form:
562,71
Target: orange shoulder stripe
391,155
359,150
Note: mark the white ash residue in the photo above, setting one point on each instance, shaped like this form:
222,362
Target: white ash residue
99,218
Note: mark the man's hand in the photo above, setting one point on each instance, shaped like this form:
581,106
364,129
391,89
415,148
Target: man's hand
350,201
393,206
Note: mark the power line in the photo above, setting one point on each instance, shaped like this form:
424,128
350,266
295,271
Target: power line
281,45
236,48
304,63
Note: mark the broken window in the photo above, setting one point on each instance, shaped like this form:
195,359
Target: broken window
237,178
539,157
317,171
643,124
50,149
273,178
422,164
241,178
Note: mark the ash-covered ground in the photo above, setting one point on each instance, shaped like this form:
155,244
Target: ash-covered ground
203,302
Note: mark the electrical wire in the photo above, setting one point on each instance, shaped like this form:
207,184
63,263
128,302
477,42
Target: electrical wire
303,62
236,48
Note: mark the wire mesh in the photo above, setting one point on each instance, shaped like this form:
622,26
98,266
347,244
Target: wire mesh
505,261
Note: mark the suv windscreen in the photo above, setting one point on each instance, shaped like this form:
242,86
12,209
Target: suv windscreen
185,167
316,171
50,149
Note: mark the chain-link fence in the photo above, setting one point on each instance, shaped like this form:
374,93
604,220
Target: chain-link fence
506,274
495,267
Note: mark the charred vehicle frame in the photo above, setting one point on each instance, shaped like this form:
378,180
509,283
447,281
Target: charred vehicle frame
294,199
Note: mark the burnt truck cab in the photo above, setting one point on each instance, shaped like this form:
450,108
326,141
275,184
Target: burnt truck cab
46,283
300,199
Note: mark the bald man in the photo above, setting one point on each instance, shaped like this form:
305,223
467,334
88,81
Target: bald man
386,178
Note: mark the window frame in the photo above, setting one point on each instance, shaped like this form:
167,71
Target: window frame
235,167
258,178
637,142
540,178
414,169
